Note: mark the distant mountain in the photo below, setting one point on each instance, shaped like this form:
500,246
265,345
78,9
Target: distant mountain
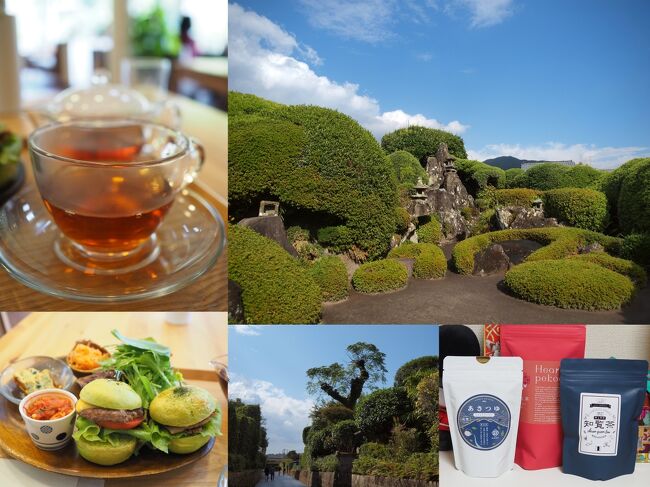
506,162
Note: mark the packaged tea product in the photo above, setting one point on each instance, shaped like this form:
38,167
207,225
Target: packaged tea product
601,402
542,347
483,397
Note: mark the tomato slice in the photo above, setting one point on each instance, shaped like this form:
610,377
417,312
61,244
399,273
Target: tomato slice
112,425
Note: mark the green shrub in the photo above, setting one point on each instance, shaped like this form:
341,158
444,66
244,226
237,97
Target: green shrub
338,238
407,168
275,288
318,442
559,242
514,177
582,208
546,176
422,142
343,435
328,463
402,220
634,197
515,197
569,283
376,413
420,364
311,159
430,232
297,234
626,267
477,175
380,276
583,176
308,251
636,247
329,414
421,466
430,260
330,274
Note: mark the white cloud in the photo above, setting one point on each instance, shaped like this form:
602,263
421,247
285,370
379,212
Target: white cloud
424,56
264,60
600,157
483,13
250,330
285,416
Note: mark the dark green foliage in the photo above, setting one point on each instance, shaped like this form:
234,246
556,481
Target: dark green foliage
407,168
379,460
318,442
426,405
297,234
430,232
626,267
477,175
337,238
343,435
582,208
427,363
430,261
380,276
636,247
329,414
376,413
559,242
514,177
628,192
422,142
275,287
583,176
569,283
311,159
327,463
511,197
330,274
402,220
247,440
546,176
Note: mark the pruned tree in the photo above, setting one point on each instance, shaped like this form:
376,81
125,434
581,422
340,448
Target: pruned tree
344,382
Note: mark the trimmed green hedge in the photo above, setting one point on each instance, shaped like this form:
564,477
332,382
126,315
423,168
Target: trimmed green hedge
275,287
559,242
477,175
422,142
402,220
311,159
514,177
407,168
419,466
569,283
430,261
380,276
628,191
338,238
375,413
330,274
515,197
551,175
636,247
582,208
626,267
430,232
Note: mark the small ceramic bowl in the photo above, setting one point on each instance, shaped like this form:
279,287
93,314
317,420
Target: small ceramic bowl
61,374
51,434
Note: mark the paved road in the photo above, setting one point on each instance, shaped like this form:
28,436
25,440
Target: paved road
469,299
280,481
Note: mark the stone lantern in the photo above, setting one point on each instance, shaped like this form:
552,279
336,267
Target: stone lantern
449,164
419,190
269,208
538,204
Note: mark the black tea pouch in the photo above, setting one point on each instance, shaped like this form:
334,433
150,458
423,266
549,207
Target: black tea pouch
601,401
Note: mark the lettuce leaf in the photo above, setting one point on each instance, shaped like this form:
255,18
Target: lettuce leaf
160,437
91,431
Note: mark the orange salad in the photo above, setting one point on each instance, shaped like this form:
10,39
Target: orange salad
49,406
86,356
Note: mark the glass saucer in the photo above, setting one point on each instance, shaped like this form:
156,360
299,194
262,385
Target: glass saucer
189,242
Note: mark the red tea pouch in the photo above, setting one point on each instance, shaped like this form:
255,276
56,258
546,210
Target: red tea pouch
542,347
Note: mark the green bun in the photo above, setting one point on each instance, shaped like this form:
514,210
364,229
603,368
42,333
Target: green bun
181,406
103,453
110,394
188,444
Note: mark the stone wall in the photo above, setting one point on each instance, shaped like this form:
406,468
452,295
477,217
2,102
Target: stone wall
247,478
370,481
317,479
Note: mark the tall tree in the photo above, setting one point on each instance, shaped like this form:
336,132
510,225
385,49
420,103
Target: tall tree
344,382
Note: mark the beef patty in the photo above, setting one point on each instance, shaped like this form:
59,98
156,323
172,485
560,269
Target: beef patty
112,415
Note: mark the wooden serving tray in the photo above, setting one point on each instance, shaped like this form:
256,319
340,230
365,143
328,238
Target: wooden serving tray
16,443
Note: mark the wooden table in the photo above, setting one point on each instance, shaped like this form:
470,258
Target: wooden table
193,346
209,72
209,292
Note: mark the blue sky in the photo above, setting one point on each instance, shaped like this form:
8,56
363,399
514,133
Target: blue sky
268,365
556,79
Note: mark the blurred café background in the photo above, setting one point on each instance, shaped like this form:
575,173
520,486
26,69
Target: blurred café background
63,43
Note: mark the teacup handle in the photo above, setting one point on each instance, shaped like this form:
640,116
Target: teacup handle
197,153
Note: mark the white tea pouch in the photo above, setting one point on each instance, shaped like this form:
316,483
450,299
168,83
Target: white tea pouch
483,397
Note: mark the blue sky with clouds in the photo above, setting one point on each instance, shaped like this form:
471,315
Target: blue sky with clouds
556,79
268,365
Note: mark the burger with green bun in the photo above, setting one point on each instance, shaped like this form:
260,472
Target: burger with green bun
188,416
109,415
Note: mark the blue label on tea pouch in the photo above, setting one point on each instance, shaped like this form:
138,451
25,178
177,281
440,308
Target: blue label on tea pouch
483,421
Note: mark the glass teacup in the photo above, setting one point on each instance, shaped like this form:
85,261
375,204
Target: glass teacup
108,185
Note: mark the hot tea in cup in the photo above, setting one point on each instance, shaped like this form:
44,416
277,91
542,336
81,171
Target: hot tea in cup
108,185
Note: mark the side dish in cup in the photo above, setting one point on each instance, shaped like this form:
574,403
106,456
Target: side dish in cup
49,417
32,374
85,356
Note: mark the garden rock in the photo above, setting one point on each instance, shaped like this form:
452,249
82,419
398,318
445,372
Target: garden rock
235,304
589,248
522,217
271,227
491,260
408,263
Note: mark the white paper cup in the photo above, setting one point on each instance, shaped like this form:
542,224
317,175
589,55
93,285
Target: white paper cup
51,434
